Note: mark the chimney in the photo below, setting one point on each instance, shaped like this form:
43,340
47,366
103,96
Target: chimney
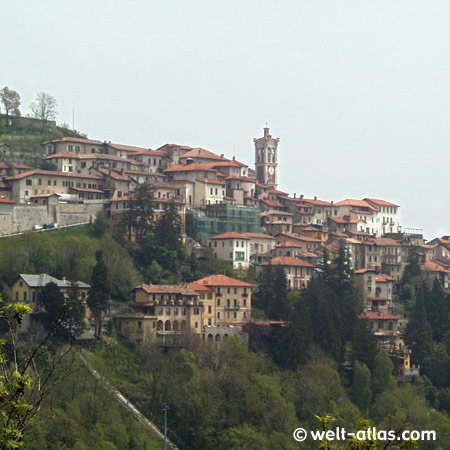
301,196
222,155
315,197
266,132
234,158
295,195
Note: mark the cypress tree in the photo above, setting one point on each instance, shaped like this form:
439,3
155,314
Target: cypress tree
361,391
418,331
364,344
382,377
100,291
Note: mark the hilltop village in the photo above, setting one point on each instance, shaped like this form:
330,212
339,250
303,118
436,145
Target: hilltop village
237,212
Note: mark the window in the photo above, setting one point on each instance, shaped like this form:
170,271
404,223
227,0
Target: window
235,315
228,315
160,312
49,182
235,290
218,302
167,311
29,183
228,290
209,309
40,181
25,296
83,165
139,325
196,324
183,311
218,315
175,311
54,181
196,311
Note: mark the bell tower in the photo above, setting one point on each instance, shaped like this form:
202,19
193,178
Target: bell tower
266,158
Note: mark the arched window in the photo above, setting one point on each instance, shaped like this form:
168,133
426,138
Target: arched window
167,326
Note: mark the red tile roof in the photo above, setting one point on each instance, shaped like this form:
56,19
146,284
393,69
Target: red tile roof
5,200
364,270
287,261
232,163
45,195
199,152
379,202
433,266
386,242
54,174
150,152
127,148
353,202
230,235
74,139
274,212
209,181
189,167
181,289
379,316
273,203
63,155
259,236
222,280
383,278
198,287
95,191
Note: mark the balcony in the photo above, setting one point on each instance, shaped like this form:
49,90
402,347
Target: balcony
235,307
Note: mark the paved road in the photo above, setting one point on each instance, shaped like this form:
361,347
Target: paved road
125,402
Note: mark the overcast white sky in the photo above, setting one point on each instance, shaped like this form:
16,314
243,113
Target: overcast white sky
357,91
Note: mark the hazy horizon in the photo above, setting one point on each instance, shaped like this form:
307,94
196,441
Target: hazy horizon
357,92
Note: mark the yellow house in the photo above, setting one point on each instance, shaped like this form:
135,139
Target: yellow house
26,289
169,312
232,300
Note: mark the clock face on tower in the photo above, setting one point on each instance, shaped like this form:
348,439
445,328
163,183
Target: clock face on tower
271,170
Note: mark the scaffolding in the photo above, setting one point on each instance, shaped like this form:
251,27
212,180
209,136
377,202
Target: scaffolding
222,218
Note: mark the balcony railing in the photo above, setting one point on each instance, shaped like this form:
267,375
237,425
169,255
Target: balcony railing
233,306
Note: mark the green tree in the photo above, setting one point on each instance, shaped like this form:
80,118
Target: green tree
437,310
101,224
418,333
11,101
100,292
364,344
45,107
139,215
361,390
412,268
168,228
52,299
382,377
74,312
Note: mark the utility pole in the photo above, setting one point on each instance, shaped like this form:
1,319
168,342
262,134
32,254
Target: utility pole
165,408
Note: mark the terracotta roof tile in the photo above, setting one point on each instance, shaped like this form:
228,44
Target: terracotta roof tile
181,289
230,235
222,280
287,261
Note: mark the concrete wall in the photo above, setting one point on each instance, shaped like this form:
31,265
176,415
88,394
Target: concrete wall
25,217
17,121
